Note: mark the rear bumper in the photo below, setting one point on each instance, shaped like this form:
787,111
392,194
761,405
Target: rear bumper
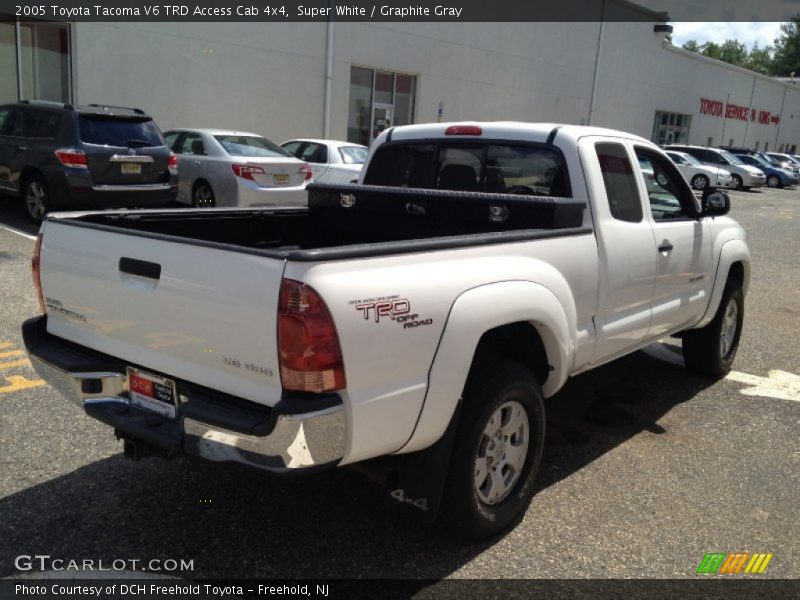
250,194
299,432
76,189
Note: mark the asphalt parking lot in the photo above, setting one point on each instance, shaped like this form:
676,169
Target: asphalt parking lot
646,467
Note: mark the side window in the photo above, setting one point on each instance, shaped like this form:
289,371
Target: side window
4,112
170,138
669,196
677,159
19,123
192,144
620,182
47,123
292,148
314,153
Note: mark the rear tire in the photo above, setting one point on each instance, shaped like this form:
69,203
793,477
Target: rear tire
35,198
203,195
497,451
700,182
710,350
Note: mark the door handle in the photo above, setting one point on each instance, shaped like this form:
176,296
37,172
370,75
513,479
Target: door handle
142,268
665,246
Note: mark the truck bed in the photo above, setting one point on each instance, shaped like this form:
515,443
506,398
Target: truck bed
358,220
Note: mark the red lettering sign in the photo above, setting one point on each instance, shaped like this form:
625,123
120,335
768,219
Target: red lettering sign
715,108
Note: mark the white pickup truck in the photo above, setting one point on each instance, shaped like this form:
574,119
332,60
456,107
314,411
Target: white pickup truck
421,316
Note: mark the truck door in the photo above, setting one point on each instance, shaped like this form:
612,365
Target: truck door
625,243
683,250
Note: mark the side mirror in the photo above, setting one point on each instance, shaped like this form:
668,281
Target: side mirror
716,203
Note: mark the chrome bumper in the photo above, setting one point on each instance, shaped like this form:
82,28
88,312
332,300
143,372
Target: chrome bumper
296,441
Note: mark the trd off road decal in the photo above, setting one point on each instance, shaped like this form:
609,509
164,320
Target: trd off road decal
389,308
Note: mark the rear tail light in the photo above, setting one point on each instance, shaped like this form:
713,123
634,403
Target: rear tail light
247,171
310,354
463,130
36,271
305,169
172,162
70,157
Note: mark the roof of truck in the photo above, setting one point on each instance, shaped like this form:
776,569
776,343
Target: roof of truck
512,130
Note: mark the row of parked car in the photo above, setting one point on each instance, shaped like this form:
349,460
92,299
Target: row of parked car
59,156
732,167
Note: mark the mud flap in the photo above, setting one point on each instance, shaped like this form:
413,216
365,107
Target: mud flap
417,481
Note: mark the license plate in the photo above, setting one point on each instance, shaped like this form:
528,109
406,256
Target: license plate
152,392
280,179
131,168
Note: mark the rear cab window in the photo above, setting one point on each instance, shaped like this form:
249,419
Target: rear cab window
529,169
105,130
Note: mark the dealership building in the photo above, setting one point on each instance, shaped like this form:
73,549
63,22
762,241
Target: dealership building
347,80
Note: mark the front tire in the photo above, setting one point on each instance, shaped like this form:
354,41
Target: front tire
497,452
700,182
710,350
35,197
773,181
738,183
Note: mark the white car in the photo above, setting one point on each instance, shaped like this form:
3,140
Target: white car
699,175
331,161
222,167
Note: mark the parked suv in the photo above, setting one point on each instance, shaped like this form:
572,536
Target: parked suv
58,156
744,176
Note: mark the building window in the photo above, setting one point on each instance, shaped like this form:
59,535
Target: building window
378,100
44,50
35,58
670,128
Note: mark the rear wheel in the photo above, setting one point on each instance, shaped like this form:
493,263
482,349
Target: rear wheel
710,350
35,198
737,181
700,182
497,451
203,195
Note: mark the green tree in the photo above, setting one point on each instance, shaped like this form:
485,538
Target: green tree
733,52
787,49
691,46
711,50
759,60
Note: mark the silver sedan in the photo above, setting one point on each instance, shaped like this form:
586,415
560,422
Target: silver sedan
331,161
220,167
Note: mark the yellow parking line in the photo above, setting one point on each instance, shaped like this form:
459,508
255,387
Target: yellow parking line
17,383
12,353
15,363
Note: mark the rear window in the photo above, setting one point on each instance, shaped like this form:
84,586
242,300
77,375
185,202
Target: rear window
496,168
106,131
250,145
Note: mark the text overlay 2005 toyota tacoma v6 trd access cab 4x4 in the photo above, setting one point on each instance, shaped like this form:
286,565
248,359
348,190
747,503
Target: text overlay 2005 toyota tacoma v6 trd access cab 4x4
416,320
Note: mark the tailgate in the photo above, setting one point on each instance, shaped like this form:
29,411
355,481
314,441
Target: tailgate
191,312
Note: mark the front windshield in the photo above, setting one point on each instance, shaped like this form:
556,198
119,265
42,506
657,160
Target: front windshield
731,158
761,161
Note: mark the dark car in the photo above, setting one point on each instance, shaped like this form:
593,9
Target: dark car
60,157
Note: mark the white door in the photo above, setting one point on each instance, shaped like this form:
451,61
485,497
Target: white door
626,247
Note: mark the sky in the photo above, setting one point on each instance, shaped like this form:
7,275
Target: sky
748,33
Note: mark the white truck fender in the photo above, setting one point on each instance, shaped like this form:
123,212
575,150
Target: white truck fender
732,251
473,313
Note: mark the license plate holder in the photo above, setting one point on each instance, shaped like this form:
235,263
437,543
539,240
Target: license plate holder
280,179
152,392
130,169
